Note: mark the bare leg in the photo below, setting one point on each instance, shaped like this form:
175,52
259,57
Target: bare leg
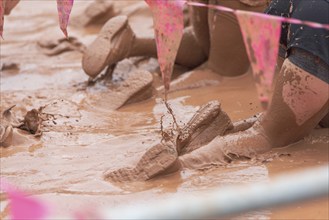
117,41
194,48
227,52
189,54
299,102
199,20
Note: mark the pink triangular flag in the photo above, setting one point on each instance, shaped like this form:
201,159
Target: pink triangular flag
2,15
261,35
64,8
168,27
21,206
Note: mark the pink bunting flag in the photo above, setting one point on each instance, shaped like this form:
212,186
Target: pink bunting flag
22,206
2,15
64,8
261,35
168,27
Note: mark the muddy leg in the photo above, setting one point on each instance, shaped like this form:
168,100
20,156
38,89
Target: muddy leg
199,21
117,41
227,51
194,48
300,101
222,150
190,53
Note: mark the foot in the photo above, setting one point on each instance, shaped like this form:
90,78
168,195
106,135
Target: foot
112,45
155,161
207,123
222,150
161,159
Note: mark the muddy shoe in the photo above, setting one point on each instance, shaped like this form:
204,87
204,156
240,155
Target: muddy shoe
136,87
158,160
207,123
112,45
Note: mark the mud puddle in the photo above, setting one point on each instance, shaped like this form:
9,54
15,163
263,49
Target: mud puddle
65,166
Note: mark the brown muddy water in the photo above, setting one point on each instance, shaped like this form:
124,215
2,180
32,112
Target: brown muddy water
87,135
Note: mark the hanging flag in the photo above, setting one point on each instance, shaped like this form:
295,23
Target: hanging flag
261,35
168,27
64,8
2,15
22,206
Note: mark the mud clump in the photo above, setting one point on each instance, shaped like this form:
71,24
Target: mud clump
8,122
53,47
9,66
31,123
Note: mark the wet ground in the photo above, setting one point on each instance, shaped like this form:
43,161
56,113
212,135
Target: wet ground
87,135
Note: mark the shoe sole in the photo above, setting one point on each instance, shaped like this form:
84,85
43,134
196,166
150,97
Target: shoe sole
154,162
97,55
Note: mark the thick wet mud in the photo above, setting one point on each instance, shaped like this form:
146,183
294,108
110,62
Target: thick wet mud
88,131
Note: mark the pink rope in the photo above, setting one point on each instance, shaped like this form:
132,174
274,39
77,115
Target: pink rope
283,19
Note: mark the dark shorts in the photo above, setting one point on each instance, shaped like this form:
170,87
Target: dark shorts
310,46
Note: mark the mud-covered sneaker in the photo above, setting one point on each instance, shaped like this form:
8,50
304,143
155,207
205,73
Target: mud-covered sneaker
207,123
112,45
156,161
